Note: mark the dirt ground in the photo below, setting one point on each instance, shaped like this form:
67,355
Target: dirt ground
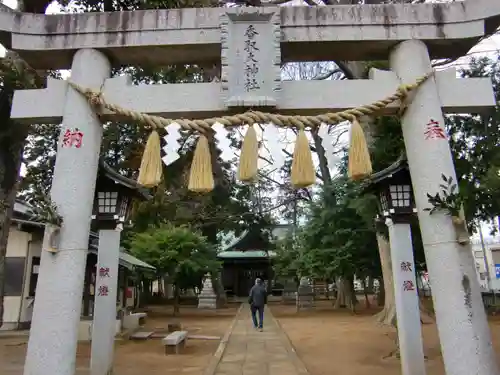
326,339
144,357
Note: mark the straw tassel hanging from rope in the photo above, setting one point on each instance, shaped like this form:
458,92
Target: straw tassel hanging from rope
151,170
201,179
360,165
247,170
303,171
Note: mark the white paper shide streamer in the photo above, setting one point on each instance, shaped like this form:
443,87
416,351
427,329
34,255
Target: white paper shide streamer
172,145
271,136
223,142
327,143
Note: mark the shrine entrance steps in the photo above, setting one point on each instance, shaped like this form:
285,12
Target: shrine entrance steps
250,352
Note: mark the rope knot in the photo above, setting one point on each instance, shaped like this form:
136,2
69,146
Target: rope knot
404,89
95,98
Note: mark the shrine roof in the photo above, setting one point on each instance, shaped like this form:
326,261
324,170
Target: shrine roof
118,178
250,240
22,216
22,208
255,239
170,36
398,165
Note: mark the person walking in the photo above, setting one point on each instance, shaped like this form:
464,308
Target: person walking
257,299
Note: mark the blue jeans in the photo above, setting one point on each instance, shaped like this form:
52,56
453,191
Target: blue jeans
254,310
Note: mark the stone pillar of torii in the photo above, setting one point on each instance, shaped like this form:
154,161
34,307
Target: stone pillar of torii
409,35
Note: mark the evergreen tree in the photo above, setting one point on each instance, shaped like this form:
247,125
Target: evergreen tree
179,253
475,141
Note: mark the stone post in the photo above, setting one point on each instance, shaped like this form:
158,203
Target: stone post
406,298
305,294
462,324
56,315
104,323
207,298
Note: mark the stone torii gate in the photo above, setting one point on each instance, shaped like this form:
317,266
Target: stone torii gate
410,35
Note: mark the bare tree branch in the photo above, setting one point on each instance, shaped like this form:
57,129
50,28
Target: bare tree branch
328,74
345,69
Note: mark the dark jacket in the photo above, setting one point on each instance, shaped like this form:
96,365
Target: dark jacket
258,295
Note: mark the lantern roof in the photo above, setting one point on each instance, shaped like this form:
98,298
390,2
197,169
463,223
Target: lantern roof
401,164
109,173
393,187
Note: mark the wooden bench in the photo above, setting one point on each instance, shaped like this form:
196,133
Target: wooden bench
134,321
174,341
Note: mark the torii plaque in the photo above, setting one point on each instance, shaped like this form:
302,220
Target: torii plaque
251,57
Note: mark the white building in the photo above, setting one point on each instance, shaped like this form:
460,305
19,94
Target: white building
22,260
487,262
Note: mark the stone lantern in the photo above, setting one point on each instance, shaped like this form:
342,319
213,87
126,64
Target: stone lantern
396,208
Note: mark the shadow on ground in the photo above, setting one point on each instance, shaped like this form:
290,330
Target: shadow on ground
331,341
144,357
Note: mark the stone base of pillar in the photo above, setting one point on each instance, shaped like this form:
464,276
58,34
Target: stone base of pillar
305,295
207,298
289,293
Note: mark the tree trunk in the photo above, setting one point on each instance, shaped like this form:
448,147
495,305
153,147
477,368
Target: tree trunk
161,291
137,295
176,300
426,316
365,292
219,289
370,284
345,294
388,314
351,298
356,70
340,300
12,138
147,292
320,151
381,293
